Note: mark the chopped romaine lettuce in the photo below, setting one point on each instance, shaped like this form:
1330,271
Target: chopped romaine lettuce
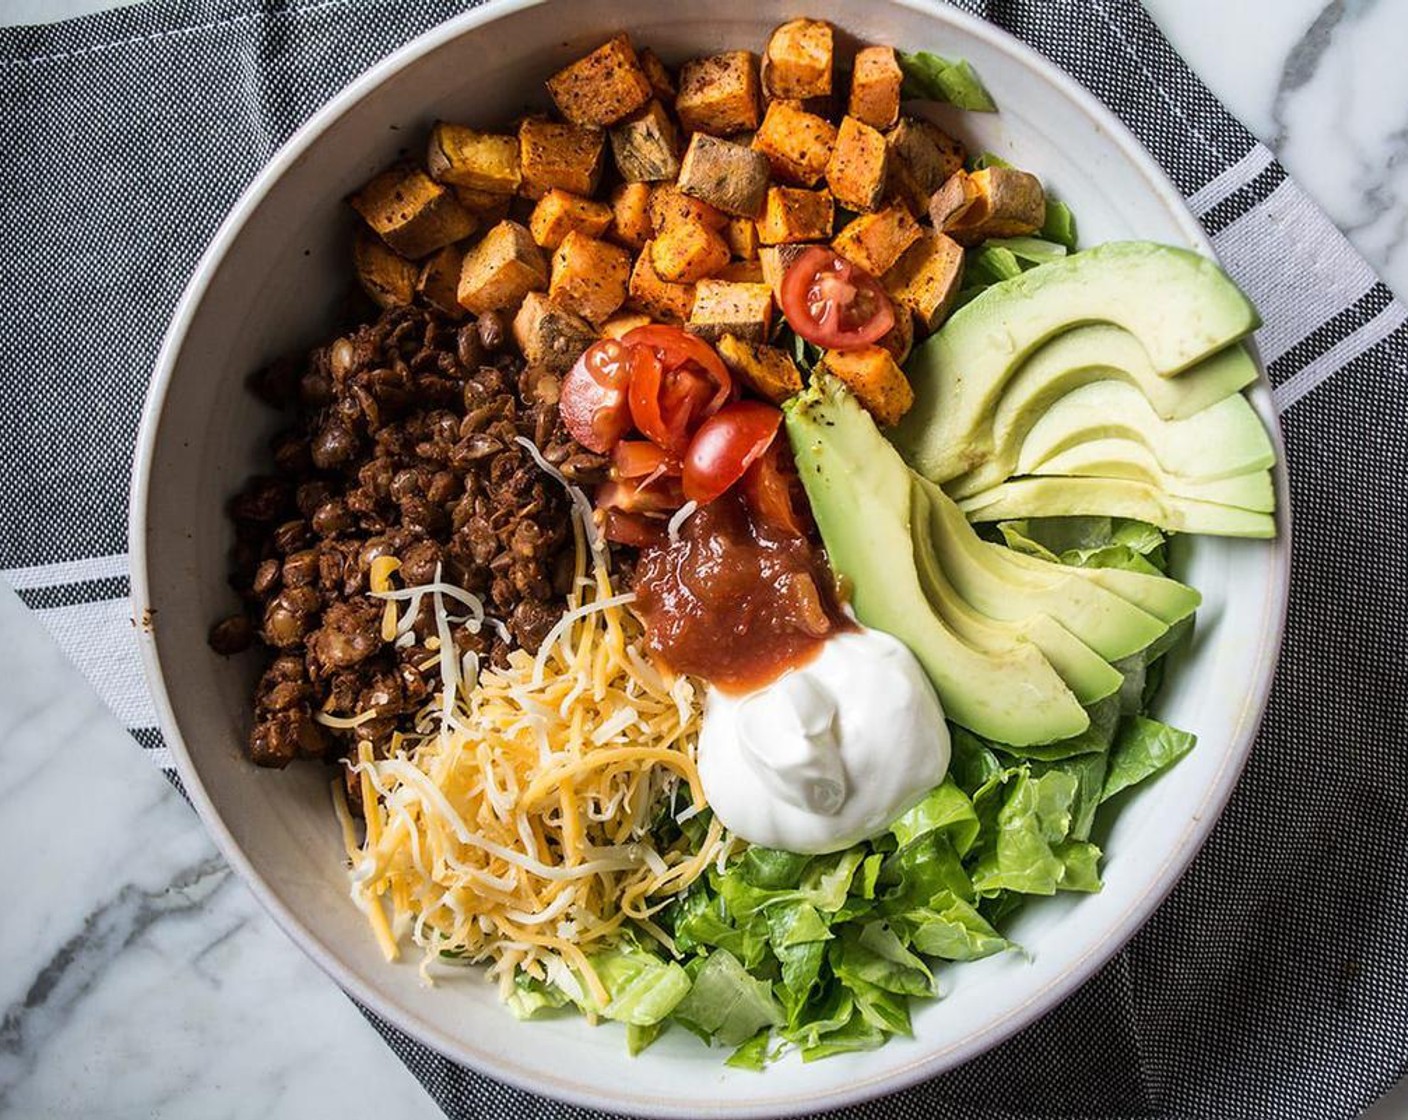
929,77
1144,748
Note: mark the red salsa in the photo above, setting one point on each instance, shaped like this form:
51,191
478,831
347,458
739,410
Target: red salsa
735,601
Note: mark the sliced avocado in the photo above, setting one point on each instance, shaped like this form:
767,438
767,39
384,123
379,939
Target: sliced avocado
1098,352
1222,440
859,490
1114,497
1180,307
1166,599
1085,672
981,573
1128,458
1102,352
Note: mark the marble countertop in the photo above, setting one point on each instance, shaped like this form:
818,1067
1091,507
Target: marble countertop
141,977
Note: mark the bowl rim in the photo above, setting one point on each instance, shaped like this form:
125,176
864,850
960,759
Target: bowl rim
538,1081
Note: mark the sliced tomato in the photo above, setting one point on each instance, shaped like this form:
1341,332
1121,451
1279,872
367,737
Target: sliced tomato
726,445
639,458
635,529
593,403
833,303
676,383
774,493
661,495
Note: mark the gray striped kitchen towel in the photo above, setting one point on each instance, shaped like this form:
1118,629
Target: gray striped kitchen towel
1273,983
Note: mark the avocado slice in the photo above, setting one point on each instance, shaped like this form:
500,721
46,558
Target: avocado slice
1179,305
1166,599
1104,352
984,576
1128,458
1098,352
1114,497
1088,675
860,495
1220,441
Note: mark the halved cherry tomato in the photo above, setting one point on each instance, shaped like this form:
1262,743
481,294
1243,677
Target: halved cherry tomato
773,492
632,495
639,458
834,303
676,383
635,529
593,401
726,445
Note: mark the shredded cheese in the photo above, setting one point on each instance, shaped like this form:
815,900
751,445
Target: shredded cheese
514,828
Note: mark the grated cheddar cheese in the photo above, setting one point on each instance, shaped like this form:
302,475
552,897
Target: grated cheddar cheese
514,827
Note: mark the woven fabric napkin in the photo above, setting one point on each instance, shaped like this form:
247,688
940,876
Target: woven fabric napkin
1274,981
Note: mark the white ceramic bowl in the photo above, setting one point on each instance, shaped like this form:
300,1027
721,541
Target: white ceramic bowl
269,284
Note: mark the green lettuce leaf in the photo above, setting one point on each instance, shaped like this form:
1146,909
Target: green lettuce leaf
885,1011
1035,250
945,808
1144,748
531,997
857,1033
643,989
929,77
950,929
874,954
752,1054
1035,815
639,1038
1060,224
726,1003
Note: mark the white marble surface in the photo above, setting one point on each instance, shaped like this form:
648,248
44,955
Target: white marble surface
140,977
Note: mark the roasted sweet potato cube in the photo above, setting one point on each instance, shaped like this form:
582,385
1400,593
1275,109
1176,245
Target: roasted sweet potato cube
684,252
876,241
722,307
559,155
558,213
489,208
730,177
439,280
856,171
669,205
549,335
655,296
876,79
742,237
646,146
899,339
662,82
768,371
952,200
589,276
1008,203
481,161
878,383
411,212
624,323
798,60
922,157
796,215
630,215
501,269
389,279
775,261
719,94
742,272
926,279
602,87
797,143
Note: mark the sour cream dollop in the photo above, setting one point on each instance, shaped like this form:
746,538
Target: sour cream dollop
829,753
